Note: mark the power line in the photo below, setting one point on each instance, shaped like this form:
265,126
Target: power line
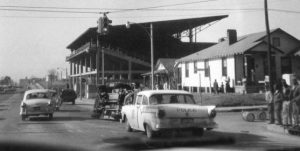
177,4
49,11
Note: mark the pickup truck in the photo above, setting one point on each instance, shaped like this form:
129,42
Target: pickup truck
155,111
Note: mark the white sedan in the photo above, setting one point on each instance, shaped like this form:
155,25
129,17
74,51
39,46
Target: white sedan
166,110
37,102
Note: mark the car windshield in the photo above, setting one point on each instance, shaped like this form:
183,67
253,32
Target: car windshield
38,95
171,99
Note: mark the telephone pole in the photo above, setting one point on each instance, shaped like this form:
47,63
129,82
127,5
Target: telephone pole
269,46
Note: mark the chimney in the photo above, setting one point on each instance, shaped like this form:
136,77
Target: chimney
232,36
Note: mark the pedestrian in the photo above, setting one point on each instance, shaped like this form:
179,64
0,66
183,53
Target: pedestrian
270,103
222,87
295,100
166,85
278,99
216,87
286,104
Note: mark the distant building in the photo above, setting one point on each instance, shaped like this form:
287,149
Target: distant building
124,54
240,61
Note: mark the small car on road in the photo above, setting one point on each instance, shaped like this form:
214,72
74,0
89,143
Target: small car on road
37,102
68,95
155,111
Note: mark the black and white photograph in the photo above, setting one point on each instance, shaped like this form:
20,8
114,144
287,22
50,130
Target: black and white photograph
161,75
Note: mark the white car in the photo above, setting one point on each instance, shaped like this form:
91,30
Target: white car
37,102
155,111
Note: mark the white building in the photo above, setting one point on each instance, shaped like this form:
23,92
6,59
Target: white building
241,60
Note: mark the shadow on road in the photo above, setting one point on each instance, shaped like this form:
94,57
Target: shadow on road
59,118
210,139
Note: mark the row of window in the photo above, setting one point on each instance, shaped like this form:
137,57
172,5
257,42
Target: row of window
206,68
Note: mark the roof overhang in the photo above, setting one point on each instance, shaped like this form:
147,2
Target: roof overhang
167,27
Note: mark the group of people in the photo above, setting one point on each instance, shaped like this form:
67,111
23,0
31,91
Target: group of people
284,103
221,89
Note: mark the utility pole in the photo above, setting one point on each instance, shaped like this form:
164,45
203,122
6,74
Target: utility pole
269,46
152,56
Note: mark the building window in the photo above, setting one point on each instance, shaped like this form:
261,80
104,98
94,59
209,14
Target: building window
276,41
195,67
187,69
224,67
206,68
286,65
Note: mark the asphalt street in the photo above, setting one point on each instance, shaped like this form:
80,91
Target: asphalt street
72,128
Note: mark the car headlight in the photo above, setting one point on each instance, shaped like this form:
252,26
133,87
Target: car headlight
23,105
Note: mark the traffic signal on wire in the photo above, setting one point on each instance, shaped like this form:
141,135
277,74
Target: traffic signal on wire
103,25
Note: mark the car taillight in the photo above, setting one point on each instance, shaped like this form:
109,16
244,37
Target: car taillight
213,113
161,113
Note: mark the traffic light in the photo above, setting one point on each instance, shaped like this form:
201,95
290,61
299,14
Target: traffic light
106,24
103,25
100,25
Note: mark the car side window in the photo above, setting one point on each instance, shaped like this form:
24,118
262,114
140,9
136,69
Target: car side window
145,101
139,99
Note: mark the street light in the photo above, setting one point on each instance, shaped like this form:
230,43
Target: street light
151,44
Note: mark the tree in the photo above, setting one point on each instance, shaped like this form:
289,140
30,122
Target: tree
6,81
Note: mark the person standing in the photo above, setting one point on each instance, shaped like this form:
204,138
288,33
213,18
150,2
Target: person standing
295,100
286,104
269,100
278,99
216,87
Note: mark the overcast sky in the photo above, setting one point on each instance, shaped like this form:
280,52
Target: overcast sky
31,43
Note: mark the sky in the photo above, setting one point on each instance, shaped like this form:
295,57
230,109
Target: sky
33,42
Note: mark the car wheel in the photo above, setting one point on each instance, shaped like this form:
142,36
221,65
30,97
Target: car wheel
262,116
149,132
23,117
51,116
199,132
128,127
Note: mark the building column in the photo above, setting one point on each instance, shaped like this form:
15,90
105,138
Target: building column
85,64
129,70
91,64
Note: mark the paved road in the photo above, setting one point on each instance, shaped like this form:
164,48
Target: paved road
73,128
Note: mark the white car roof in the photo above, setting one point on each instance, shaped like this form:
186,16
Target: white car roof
38,90
149,93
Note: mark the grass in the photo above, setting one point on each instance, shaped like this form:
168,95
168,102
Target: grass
231,99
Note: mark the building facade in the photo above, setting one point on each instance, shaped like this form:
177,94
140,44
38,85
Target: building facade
240,62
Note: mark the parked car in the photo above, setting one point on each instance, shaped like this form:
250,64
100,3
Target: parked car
156,111
37,102
68,95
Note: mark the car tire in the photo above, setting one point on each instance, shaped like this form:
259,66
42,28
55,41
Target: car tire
149,132
51,116
199,132
23,117
128,127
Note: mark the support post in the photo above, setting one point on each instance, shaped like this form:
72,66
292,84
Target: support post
269,46
102,68
97,61
152,56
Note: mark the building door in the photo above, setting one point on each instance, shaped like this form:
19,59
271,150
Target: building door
250,70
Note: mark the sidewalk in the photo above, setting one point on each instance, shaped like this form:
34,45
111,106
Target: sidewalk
240,108
90,102
85,103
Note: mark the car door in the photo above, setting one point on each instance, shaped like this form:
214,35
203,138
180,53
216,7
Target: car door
139,99
140,112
